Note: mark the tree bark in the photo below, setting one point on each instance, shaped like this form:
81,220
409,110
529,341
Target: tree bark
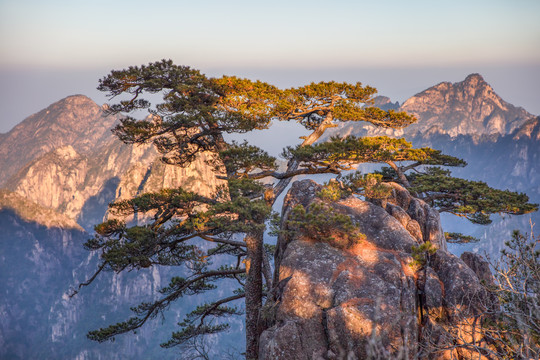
400,174
293,164
267,270
253,289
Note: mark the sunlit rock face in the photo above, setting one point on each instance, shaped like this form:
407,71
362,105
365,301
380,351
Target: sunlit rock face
336,303
69,161
81,186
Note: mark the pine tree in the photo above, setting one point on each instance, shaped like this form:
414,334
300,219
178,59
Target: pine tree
193,117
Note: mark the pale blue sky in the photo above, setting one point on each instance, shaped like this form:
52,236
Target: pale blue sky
62,47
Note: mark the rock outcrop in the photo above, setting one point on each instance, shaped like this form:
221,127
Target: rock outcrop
384,102
370,299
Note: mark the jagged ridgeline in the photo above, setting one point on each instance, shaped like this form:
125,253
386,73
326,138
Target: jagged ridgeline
198,250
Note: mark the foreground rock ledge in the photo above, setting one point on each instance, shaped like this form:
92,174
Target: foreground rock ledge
354,303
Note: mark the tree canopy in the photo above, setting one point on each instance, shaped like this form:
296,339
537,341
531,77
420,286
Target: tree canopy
192,118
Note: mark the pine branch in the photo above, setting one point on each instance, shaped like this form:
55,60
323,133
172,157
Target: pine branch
222,241
89,281
152,310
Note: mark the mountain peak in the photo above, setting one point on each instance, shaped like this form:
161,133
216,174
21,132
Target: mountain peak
476,85
469,107
474,78
76,98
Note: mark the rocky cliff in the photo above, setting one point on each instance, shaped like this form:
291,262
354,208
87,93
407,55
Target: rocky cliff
370,299
77,172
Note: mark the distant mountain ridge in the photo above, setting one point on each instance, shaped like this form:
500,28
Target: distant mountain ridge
470,107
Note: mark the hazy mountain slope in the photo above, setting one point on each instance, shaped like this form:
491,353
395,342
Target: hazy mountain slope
75,120
41,261
39,266
511,160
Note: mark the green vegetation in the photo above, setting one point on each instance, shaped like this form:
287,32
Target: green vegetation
323,223
369,185
474,200
421,254
459,238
